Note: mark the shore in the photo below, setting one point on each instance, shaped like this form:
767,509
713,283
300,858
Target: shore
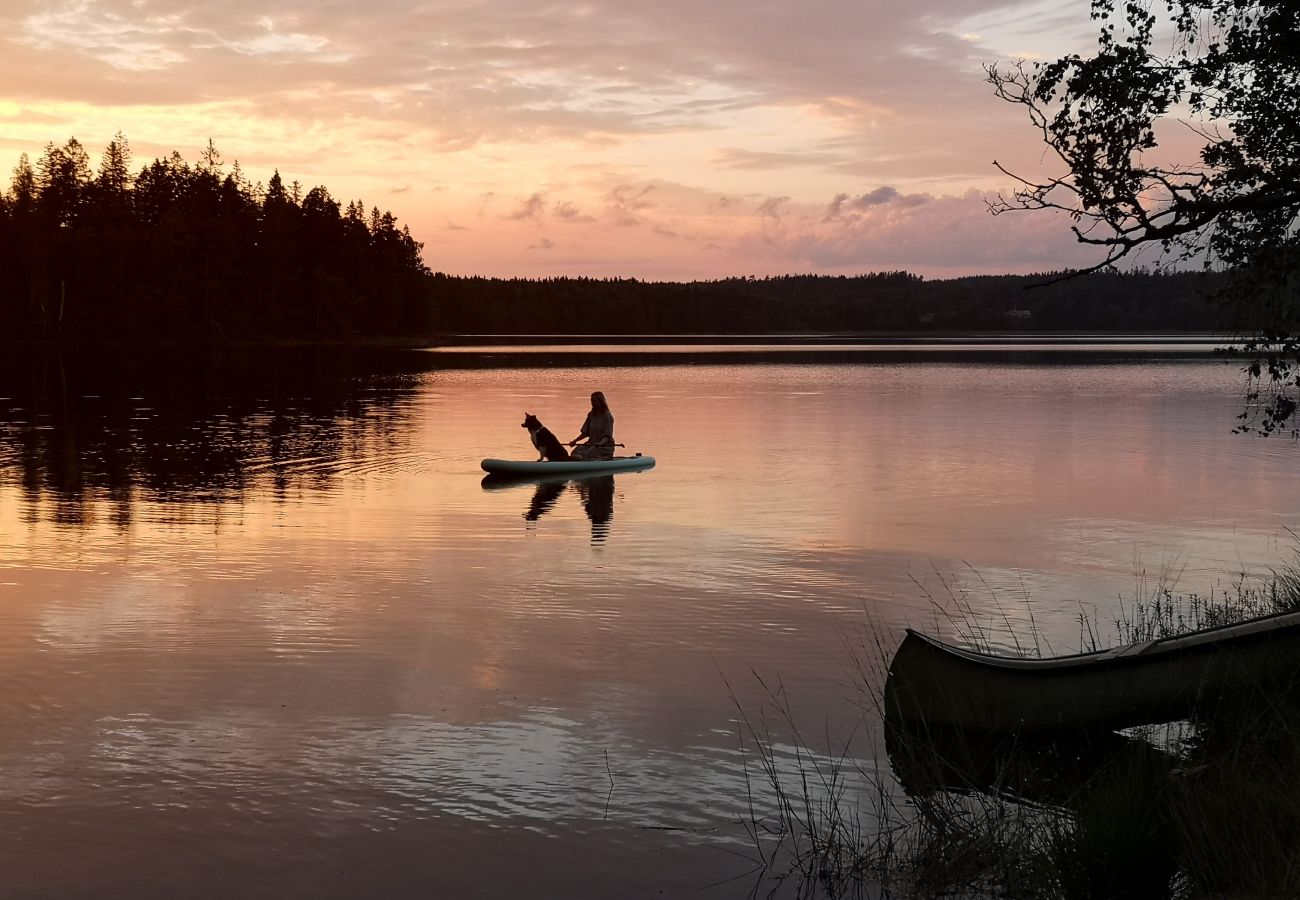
863,338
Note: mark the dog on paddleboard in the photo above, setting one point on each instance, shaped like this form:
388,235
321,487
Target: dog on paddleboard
547,444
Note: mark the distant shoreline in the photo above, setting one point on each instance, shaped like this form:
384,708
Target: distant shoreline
865,339
881,338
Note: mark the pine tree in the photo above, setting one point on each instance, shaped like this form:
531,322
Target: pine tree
24,187
210,158
115,167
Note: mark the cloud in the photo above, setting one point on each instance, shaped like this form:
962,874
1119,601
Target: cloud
542,244
938,233
735,158
934,234
773,207
531,209
567,211
624,204
685,118
884,194
597,72
772,227
846,206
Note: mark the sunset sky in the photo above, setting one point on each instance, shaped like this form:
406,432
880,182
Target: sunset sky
671,140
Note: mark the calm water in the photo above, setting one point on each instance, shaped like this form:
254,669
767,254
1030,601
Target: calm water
264,631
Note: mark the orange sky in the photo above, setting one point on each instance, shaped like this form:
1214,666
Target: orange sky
660,140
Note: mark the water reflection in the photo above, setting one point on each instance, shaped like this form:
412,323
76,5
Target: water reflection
1090,806
322,638
78,432
1203,807
595,493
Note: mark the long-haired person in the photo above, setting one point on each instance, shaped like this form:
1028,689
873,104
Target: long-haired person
597,432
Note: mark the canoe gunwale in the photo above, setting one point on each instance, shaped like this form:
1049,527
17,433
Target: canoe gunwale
1140,651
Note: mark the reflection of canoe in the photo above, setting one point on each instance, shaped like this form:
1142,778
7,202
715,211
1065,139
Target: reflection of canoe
576,466
1046,769
1113,795
1151,682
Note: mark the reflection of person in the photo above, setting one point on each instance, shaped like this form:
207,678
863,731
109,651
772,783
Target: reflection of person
597,498
598,430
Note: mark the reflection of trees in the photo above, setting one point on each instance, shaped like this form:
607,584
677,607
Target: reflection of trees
85,428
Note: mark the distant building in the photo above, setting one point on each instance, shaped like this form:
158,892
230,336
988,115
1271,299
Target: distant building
1019,314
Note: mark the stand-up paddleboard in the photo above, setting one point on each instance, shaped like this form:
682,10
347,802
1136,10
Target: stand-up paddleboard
568,467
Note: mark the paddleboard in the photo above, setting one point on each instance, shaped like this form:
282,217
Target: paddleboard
574,466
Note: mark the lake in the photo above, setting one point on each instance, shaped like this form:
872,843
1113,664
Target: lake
265,632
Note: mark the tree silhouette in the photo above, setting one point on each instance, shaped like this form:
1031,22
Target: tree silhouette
115,168
180,252
1232,76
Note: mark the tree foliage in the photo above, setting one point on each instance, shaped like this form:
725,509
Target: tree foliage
177,251
1227,72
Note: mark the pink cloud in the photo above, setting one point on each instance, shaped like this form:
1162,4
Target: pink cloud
530,209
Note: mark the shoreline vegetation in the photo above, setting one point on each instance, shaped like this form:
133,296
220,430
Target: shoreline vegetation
181,253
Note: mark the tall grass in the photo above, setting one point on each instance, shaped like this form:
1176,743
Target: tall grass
836,821
1160,612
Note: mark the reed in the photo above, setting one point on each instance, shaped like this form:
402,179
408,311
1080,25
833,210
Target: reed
1160,612
831,823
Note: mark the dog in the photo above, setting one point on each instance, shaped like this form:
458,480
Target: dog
547,444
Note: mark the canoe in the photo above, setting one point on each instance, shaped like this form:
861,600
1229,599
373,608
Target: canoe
1147,683
574,466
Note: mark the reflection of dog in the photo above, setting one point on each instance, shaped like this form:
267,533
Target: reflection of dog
547,444
544,498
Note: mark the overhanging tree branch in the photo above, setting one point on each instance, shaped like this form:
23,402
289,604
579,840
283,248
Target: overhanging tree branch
1232,77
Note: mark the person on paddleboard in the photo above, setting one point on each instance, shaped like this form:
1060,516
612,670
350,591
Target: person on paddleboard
598,431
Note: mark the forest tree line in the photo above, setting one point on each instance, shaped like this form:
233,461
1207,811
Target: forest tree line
884,301
181,252
186,251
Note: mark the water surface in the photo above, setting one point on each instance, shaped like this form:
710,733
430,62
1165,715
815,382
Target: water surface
264,630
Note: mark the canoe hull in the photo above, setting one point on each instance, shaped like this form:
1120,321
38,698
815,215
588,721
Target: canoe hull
1152,683
570,467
